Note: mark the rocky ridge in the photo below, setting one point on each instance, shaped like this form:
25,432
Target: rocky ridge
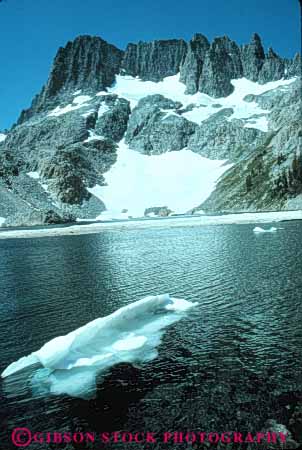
68,139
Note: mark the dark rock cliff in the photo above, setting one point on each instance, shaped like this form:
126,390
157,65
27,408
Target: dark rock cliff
155,60
88,63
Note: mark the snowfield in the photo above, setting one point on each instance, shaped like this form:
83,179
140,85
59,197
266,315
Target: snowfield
78,102
203,106
2,137
134,89
180,180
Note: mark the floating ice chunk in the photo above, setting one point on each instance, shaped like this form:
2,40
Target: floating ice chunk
262,230
21,364
130,335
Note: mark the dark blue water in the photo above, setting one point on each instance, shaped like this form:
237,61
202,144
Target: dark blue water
232,363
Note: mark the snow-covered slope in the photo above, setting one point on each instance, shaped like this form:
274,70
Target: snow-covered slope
177,180
129,147
134,89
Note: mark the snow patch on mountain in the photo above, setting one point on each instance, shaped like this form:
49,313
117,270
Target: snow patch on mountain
2,220
180,180
34,175
93,136
102,109
203,106
2,137
78,102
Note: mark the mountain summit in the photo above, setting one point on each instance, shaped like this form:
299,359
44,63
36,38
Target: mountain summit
110,127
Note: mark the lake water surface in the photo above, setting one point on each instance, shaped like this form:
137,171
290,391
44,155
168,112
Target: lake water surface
231,363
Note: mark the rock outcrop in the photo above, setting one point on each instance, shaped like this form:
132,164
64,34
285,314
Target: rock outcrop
88,64
270,177
154,60
253,57
273,68
221,138
191,69
112,117
156,127
63,145
222,64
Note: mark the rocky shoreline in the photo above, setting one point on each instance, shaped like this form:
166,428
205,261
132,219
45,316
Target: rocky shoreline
201,220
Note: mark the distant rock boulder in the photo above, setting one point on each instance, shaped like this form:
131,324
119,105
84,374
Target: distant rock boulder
161,211
36,217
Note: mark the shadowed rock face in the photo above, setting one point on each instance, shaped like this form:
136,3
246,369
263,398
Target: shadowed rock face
66,141
113,115
222,64
155,60
155,126
218,138
269,177
272,69
253,57
191,69
88,63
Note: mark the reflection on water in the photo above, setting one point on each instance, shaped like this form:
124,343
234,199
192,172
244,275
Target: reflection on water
232,363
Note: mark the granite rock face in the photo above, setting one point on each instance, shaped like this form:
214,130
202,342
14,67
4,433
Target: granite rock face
155,126
272,69
221,138
154,60
253,57
191,69
87,63
63,145
222,64
270,177
113,116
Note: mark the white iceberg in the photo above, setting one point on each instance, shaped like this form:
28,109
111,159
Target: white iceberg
262,230
129,335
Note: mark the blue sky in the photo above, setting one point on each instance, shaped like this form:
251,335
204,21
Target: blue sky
32,30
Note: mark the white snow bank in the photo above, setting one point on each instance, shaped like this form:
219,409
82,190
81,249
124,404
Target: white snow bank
93,136
133,89
163,222
88,113
180,180
2,220
130,335
77,103
34,175
2,137
102,109
262,230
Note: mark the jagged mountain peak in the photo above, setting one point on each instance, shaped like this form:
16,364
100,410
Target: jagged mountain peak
91,64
